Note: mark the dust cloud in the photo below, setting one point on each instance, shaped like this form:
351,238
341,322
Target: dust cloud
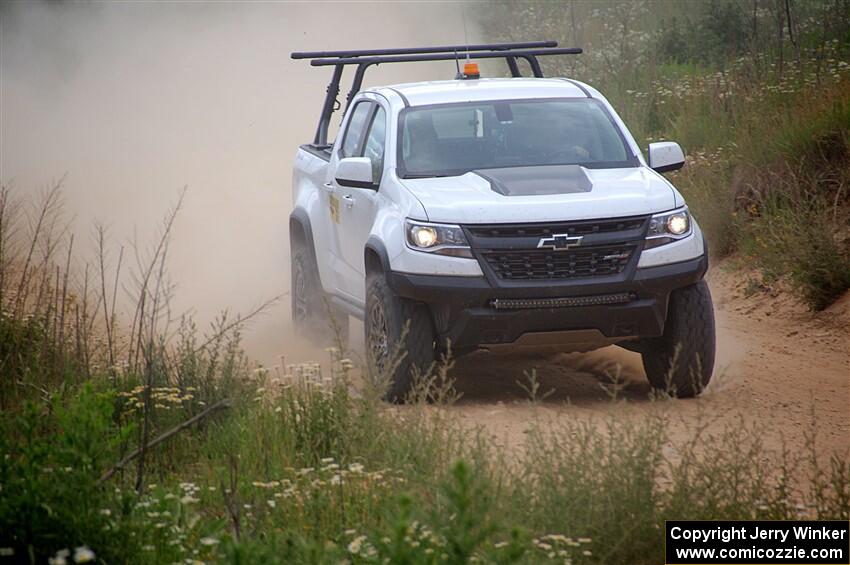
135,100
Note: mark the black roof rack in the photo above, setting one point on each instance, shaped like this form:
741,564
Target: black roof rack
364,58
420,50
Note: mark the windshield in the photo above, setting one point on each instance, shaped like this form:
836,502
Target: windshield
453,139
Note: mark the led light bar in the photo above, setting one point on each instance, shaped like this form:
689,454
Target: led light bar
564,302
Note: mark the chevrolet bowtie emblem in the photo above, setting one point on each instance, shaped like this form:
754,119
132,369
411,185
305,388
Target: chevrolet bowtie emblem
559,242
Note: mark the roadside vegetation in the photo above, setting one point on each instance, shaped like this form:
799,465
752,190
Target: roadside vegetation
129,437
758,95
135,437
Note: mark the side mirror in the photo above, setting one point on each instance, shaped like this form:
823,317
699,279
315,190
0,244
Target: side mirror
665,156
355,172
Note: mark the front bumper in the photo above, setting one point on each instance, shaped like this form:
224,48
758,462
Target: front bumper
463,311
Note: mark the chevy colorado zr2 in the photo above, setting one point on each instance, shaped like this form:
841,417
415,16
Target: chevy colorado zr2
495,213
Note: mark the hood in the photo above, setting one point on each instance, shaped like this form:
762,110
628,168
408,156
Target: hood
542,194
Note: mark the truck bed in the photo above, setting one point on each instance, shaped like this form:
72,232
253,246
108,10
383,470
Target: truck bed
321,151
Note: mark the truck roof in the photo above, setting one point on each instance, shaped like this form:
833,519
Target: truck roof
448,91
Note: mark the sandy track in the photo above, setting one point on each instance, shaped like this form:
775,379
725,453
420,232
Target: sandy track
777,363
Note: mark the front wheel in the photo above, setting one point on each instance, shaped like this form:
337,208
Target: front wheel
681,361
399,337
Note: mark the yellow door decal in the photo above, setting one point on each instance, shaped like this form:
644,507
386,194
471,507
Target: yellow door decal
334,206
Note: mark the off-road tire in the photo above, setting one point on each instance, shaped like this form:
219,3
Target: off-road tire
311,313
681,361
399,338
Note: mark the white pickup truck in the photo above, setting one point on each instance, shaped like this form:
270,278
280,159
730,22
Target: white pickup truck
495,213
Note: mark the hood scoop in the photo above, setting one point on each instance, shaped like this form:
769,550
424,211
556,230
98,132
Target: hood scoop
537,180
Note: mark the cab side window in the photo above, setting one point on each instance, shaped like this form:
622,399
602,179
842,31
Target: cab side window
352,143
375,141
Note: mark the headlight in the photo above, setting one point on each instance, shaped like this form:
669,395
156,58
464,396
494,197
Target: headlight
668,227
443,239
677,224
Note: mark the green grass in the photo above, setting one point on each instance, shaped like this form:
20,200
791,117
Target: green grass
305,472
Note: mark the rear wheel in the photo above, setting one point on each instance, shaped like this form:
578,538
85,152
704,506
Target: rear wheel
310,311
396,351
681,361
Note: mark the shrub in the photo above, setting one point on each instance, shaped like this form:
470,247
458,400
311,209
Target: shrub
803,243
50,497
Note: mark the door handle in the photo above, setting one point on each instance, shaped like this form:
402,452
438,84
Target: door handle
329,186
349,201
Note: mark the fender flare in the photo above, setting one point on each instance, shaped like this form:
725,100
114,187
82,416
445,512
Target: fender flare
299,219
377,246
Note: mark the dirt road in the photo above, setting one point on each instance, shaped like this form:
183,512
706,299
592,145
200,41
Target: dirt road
776,363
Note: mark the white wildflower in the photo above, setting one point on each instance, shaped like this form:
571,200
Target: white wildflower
61,557
356,544
83,555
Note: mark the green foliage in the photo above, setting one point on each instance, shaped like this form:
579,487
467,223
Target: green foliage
815,134
468,502
318,420
28,353
599,485
50,497
802,242
346,479
718,33
21,347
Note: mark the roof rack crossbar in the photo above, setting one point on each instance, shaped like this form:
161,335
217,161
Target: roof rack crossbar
421,50
378,59
529,51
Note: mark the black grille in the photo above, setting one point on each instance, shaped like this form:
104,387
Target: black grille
572,228
594,261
